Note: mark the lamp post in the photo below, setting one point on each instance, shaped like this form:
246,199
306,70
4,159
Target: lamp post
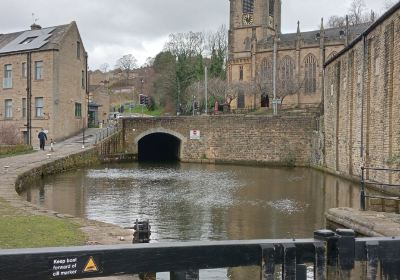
178,107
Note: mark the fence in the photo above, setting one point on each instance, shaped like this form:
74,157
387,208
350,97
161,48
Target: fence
106,132
363,193
328,255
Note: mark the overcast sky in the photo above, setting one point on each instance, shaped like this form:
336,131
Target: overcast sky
112,28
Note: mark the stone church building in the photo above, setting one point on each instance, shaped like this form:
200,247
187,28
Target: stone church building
254,34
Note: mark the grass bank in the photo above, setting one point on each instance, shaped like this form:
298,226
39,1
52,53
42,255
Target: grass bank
10,151
23,230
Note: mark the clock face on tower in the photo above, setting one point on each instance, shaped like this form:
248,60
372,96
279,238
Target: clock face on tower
247,19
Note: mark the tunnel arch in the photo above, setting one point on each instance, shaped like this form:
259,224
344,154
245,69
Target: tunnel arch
159,145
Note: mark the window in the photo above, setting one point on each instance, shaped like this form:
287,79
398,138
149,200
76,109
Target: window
38,70
310,79
78,50
241,73
7,81
271,8
78,110
24,69
287,73
28,40
23,107
248,6
39,113
8,108
83,79
241,101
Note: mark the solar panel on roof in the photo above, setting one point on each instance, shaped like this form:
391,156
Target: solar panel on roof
28,40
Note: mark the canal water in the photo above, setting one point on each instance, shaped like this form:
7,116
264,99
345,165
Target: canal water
186,202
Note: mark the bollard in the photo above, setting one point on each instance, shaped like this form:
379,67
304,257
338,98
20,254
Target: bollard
346,246
331,239
268,262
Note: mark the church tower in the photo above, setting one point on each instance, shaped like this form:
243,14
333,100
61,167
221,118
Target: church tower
248,16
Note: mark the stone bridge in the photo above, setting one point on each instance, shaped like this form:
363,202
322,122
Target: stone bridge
278,140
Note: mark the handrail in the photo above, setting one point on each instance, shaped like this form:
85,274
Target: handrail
364,182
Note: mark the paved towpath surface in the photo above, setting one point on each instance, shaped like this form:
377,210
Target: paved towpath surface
11,167
368,223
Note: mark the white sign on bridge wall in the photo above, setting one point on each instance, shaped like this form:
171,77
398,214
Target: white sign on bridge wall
195,135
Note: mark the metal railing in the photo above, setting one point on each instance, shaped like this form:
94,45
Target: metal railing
329,255
106,132
364,183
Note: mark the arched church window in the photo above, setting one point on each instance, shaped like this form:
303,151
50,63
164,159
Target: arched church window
287,72
310,78
240,99
271,7
248,6
266,70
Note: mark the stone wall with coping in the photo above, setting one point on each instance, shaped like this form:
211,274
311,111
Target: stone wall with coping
280,140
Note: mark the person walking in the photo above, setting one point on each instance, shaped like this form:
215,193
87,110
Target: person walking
42,138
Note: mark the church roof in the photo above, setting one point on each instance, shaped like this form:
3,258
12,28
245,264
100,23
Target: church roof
38,39
311,37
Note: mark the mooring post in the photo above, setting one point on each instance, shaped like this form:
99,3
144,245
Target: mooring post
346,251
289,261
372,248
267,262
185,275
330,238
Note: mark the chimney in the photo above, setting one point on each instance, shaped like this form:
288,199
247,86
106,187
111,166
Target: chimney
35,27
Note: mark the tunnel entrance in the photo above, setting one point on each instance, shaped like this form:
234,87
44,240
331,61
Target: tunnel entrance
161,147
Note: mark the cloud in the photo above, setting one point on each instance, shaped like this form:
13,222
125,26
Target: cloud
112,28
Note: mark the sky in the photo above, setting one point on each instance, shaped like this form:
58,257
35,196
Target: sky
113,28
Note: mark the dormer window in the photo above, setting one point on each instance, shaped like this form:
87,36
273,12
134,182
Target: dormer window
28,40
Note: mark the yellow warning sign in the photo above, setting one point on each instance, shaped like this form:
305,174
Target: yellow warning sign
90,266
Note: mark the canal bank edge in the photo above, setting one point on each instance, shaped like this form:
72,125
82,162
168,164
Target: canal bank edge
367,223
97,232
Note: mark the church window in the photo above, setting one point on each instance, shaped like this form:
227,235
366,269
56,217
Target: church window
266,70
241,73
271,7
240,102
310,79
248,6
287,72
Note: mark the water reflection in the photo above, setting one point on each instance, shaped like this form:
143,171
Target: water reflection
200,202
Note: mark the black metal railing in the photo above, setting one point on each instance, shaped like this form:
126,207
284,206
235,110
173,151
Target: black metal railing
329,255
364,182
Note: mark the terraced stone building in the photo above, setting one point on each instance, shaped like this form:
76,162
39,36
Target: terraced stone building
44,83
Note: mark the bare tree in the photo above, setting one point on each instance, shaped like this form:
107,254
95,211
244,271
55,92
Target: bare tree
388,4
127,64
9,134
357,15
187,45
104,67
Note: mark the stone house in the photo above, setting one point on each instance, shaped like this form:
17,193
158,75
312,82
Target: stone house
362,101
254,34
44,73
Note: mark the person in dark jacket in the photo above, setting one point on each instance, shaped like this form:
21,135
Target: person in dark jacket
42,138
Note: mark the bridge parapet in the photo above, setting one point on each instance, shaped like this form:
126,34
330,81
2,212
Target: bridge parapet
278,140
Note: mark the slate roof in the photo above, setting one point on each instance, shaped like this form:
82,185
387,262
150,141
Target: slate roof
45,39
311,37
